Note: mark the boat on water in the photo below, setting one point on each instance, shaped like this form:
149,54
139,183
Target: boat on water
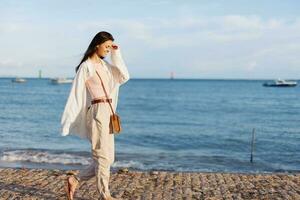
280,83
61,80
19,80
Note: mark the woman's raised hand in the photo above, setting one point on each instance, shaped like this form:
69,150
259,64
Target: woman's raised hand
114,46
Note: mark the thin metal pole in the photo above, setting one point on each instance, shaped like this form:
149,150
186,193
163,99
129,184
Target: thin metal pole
252,145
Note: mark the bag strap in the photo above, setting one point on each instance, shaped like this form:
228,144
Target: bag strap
105,92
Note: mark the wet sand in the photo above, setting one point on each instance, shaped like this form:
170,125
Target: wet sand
23,183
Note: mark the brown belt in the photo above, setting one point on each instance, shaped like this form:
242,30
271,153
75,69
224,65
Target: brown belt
94,101
101,101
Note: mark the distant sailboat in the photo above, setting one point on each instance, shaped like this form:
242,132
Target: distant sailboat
60,80
19,80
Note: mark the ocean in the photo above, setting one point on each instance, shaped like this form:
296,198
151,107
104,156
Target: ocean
171,125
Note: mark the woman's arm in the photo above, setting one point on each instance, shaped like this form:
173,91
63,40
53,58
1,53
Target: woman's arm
118,66
76,100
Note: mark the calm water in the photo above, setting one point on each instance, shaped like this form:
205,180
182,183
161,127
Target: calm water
177,125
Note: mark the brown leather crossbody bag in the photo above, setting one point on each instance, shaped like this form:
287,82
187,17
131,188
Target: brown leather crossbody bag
115,121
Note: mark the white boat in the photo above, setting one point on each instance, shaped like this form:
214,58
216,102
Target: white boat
280,83
61,80
19,80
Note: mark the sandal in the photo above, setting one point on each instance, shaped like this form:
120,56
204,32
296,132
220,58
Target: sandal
68,186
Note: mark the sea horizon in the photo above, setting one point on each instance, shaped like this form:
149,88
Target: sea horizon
164,78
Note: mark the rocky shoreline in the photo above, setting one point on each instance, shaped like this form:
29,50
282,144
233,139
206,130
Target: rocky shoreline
23,183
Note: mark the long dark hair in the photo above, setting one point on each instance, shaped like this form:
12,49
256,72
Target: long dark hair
99,38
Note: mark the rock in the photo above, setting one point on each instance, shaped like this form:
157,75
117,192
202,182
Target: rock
123,170
154,173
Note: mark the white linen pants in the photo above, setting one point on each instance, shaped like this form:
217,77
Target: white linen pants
102,147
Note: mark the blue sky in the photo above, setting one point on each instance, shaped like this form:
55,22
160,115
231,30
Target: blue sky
193,39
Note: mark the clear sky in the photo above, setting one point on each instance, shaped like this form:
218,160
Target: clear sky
253,39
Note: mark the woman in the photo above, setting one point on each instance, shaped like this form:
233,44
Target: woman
87,111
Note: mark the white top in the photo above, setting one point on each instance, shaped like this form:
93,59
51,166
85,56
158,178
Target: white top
73,120
93,82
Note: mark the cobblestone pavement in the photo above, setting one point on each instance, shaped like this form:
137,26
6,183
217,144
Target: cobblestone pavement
25,183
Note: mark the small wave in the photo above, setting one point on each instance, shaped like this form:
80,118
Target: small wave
44,157
62,158
130,164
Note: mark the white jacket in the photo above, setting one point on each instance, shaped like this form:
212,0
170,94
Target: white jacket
73,120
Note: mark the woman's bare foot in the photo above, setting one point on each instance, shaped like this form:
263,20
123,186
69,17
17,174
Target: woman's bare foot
72,183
